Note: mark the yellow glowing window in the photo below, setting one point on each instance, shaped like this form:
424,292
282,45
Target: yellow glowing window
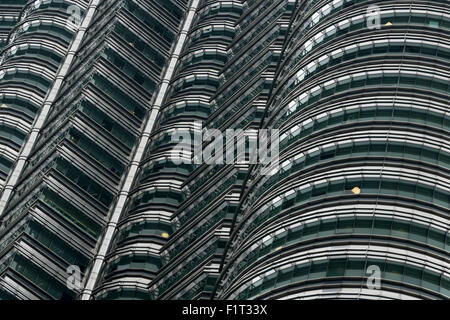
356,190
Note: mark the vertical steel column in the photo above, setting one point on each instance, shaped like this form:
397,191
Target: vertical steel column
96,266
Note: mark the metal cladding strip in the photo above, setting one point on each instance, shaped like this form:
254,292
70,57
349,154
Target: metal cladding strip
139,153
44,111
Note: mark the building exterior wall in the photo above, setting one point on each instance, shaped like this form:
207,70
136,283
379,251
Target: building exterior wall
364,159
358,90
79,155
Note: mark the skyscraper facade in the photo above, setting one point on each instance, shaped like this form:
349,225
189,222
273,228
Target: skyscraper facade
93,205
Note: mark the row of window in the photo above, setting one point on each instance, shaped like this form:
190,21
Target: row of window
359,149
203,82
352,267
355,225
220,8
392,50
132,106
125,294
83,181
150,21
215,31
168,167
359,24
207,198
146,229
261,27
12,134
188,109
40,278
130,70
172,8
136,261
26,77
371,83
5,165
30,52
62,5
417,116
167,197
376,78
70,213
256,13
197,260
97,152
205,57
57,245
251,71
107,123
260,45
368,187
200,229
147,50
36,29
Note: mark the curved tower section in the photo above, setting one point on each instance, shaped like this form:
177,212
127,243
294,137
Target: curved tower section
361,103
202,223
148,226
